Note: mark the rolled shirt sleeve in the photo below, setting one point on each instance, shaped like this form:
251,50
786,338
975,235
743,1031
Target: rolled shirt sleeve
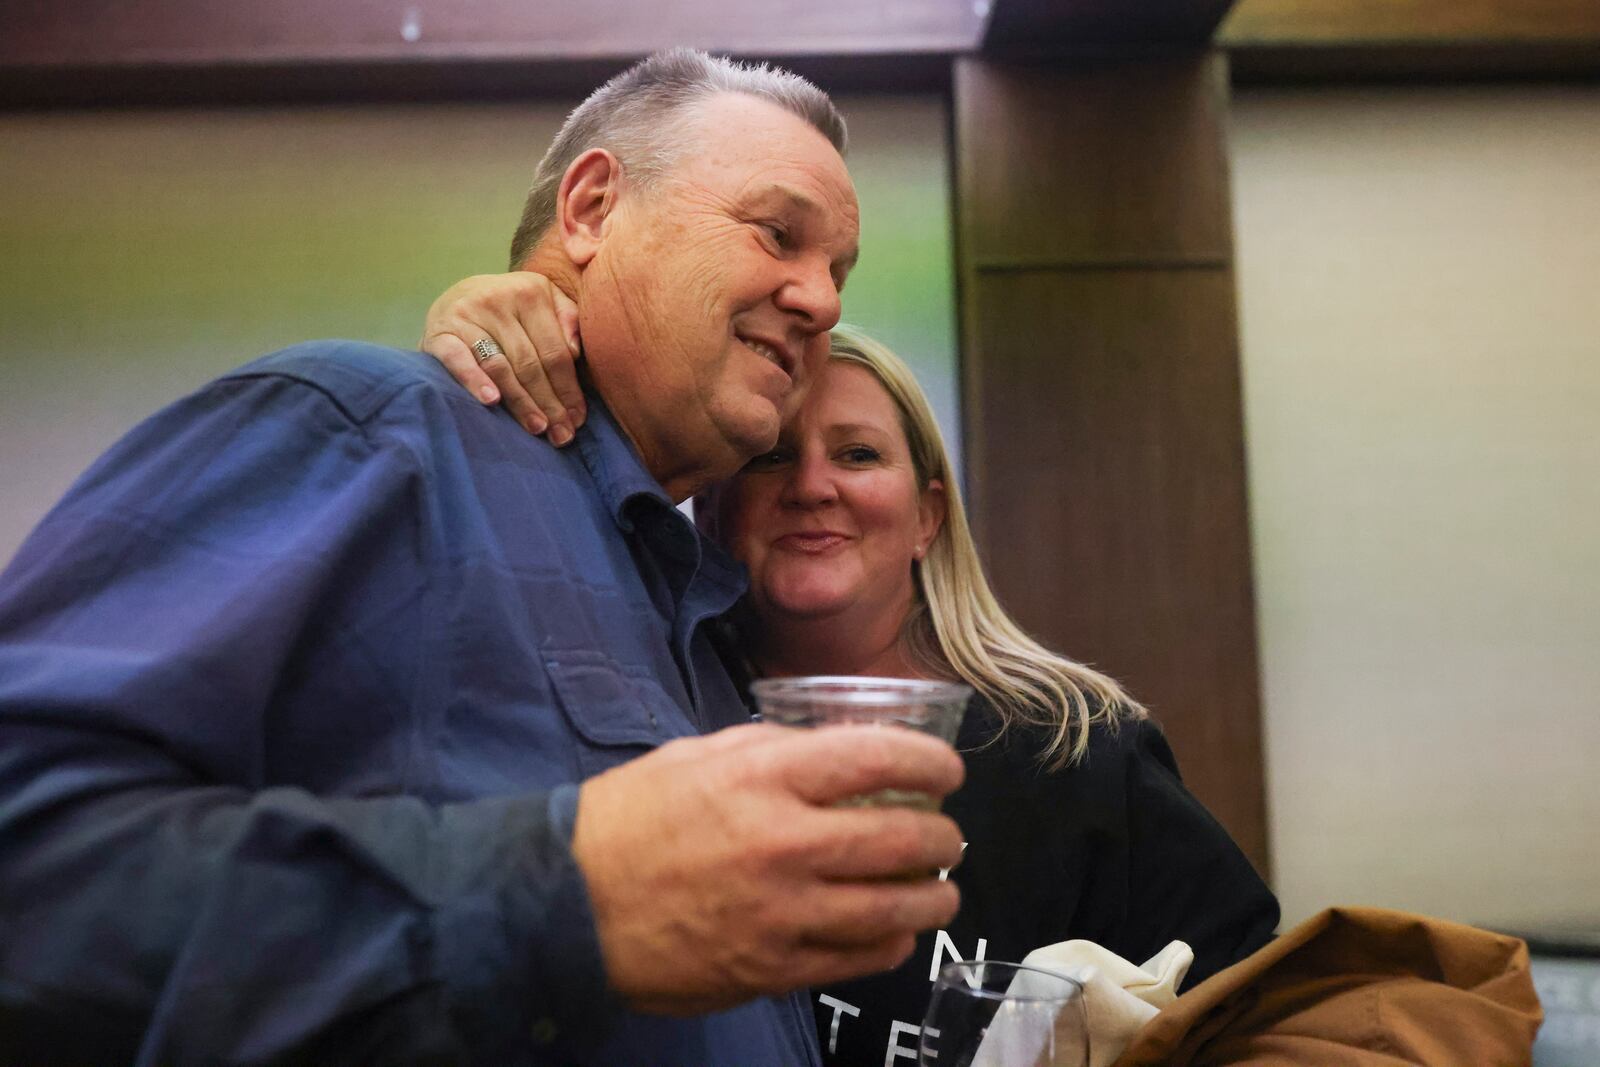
167,893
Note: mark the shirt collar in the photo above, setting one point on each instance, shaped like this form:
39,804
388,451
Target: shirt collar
619,474
638,504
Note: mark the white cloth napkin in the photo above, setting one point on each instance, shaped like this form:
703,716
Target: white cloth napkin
1119,997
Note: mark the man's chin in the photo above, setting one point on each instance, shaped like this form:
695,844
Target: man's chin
756,432
789,404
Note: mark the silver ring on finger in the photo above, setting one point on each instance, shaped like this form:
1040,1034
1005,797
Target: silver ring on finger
487,348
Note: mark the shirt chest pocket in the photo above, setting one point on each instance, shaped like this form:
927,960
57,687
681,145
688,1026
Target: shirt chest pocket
615,715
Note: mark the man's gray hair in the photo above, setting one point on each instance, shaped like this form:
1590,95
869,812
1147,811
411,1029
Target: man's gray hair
634,117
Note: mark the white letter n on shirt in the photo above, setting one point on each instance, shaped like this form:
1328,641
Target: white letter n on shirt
942,945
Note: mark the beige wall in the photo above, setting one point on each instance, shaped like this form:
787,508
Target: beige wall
1419,275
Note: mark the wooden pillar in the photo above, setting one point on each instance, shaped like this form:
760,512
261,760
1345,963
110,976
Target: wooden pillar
1103,417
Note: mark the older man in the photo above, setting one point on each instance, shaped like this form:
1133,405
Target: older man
299,683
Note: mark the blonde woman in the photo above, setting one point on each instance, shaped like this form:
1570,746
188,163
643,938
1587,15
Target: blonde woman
861,562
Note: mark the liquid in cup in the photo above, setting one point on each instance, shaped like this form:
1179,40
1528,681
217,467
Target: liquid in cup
932,707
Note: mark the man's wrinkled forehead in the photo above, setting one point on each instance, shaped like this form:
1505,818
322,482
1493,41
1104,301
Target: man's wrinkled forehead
731,126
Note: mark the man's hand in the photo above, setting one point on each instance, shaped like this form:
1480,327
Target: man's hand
720,871
536,327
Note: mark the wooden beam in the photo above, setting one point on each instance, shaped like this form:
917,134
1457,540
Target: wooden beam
1411,40
381,81
1066,26
103,53
1101,394
1255,23
225,31
1111,180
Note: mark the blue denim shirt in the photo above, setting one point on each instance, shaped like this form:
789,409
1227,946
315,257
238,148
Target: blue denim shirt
295,685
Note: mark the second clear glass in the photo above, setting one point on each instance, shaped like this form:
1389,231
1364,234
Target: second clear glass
992,1014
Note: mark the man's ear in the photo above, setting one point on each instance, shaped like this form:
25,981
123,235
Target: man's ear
584,202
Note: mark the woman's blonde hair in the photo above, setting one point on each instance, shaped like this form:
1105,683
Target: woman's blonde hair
958,627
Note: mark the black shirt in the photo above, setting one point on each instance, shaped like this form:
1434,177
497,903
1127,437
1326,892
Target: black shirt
1112,850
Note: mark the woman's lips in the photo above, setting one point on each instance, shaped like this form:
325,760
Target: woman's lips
811,543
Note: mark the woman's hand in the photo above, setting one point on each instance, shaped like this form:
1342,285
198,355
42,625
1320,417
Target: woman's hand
535,327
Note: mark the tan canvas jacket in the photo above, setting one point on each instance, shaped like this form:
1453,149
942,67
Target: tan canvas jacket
1356,987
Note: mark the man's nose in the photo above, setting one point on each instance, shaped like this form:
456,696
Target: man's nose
812,293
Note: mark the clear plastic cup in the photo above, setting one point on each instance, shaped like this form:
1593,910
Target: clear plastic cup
931,707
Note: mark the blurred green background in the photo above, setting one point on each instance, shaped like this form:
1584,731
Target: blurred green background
147,251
